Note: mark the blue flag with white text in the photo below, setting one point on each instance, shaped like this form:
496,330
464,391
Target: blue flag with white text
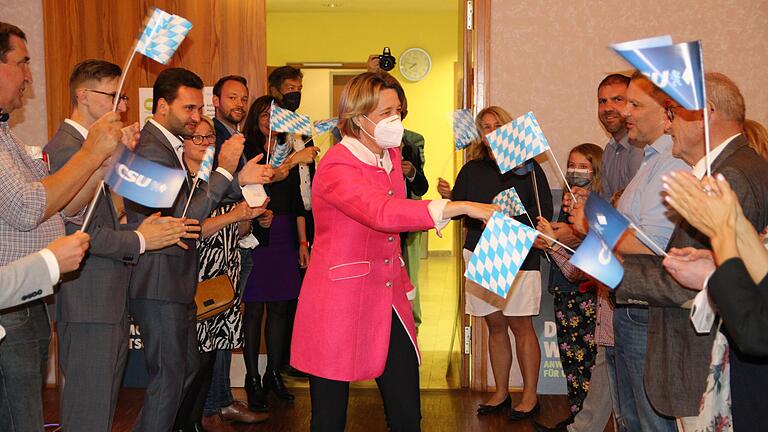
143,181
605,220
595,258
674,68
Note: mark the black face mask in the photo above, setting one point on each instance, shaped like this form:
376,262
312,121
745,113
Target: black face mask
291,101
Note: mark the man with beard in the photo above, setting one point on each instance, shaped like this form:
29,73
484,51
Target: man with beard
163,283
622,157
230,99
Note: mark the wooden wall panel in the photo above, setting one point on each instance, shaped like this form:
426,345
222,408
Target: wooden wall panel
227,37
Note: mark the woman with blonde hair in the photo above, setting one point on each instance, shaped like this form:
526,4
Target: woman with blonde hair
757,137
480,180
354,320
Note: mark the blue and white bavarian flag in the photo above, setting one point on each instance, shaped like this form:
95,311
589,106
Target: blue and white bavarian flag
674,68
499,254
595,258
604,220
143,181
280,154
517,141
283,120
162,36
323,126
464,128
510,202
204,171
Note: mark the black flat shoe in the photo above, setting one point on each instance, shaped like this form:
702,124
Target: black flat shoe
484,409
516,415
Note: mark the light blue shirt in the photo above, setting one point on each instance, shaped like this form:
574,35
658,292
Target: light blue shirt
621,161
642,201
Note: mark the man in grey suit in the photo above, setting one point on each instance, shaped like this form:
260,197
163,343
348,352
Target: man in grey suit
163,283
677,360
33,277
92,306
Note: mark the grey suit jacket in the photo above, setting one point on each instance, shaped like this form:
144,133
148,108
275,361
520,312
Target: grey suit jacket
97,291
24,280
170,274
677,359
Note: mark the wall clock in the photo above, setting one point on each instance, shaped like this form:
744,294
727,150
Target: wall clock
415,64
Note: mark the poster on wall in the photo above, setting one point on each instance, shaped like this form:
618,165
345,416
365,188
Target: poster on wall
145,103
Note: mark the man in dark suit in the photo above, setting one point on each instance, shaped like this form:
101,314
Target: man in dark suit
678,358
163,283
92,307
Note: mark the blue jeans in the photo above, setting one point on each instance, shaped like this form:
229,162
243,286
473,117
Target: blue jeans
23,364
610,362
220,393
630,326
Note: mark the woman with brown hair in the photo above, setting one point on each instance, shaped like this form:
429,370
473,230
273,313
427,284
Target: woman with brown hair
480,180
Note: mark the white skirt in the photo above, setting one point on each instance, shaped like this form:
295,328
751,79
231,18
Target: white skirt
524,298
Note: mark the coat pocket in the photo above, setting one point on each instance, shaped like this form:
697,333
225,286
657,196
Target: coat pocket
349,270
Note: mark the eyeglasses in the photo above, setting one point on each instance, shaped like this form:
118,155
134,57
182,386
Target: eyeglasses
199,139
123,98
670,111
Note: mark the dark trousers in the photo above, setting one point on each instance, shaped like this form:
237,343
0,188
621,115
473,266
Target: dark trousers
92,358
172,359
398,384
275,333
191,409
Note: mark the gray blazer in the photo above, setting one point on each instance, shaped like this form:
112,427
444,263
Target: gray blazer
677,359
24,280
170,274
97,291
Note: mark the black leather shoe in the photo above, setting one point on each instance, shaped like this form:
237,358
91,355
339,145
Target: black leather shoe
484,409
516,415
560,427
274,381
257,397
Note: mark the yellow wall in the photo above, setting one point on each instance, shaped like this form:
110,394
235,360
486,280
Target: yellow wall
350,37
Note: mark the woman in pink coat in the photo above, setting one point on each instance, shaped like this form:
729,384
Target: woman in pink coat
353,320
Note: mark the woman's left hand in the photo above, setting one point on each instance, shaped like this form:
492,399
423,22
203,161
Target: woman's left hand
303,256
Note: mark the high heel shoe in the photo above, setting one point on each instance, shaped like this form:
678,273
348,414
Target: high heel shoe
273,380
484,409
516,415
257,397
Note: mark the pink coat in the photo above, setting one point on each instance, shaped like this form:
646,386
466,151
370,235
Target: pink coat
356,275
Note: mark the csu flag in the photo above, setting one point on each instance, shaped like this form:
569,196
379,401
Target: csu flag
162,36
499,253
283,120
517,141
143,181
464,129
604,220
674,68
595,258
510,202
